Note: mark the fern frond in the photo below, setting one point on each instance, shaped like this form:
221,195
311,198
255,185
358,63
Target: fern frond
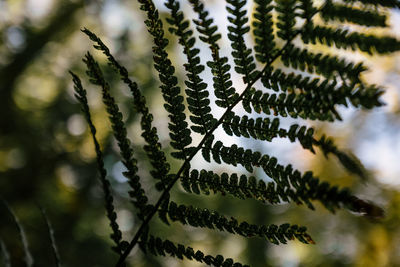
307,11
305,188
344,13
243,187
250,187
240,187
323,93
198,102
263,31
22,235
286,18
306,106
5,254
367,96
222,83
232,155
235,155
308,186
205,25
349,161
278,80
152,147
382,3
116,236
242,55
205,218
120,134
325,65
298,96
159,247
266,129
259,128
342,38
179,131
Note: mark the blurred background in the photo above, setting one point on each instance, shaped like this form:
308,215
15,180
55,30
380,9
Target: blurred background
47,157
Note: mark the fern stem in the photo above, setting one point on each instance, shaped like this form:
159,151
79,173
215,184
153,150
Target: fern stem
50,230
165,193
28,256
5,254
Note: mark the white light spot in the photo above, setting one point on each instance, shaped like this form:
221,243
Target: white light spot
16,159
68,177
125,220
39,8
76,125
15,38
117,171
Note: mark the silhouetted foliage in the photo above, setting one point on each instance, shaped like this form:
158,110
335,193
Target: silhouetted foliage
311,85
302,95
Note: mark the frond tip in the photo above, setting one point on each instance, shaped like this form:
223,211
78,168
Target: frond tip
263,31
223,89
365,208
179,131
197,94
153,147
116,236
120,133
242,55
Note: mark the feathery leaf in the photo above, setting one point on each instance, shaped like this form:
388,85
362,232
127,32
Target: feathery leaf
152,147
205,218
286,18
326,65
237,29
345,13
120,134
263,31
198,102
308,186
312,87
180,133
306,106
225,93
159,247
381,3
343,38
116,236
